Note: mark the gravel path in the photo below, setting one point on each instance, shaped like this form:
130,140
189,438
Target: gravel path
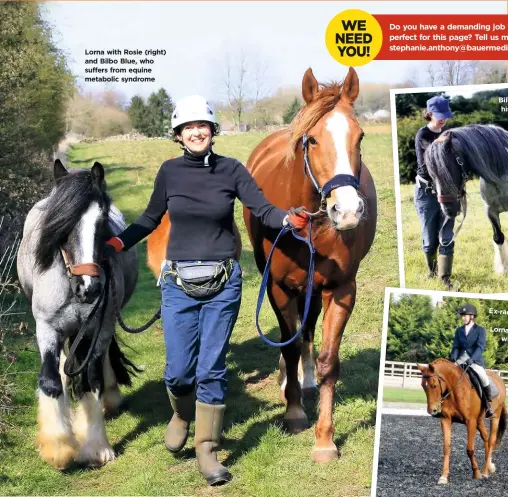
411,456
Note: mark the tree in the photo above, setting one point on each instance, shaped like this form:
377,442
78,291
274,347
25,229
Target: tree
292,110
408,317
457,72
244,79
137,113
158,113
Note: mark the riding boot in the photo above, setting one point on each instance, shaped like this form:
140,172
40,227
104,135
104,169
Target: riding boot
444,269
209,419
177,430
431,264
489,412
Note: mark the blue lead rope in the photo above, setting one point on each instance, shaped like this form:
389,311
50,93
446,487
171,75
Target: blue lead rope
264,284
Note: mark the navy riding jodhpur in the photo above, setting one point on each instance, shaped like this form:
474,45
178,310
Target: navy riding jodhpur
197,333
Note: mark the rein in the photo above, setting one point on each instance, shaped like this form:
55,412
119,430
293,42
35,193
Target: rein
93,269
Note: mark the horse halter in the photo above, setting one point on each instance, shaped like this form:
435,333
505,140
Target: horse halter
336,182
86,269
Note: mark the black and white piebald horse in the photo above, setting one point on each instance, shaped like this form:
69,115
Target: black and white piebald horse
60,270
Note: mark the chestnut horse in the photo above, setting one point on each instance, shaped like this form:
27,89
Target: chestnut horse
343,229
452,398
158,241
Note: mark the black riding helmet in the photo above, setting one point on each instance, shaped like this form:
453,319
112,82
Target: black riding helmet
467,309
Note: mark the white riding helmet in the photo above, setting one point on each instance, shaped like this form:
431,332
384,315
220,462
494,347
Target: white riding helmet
193,108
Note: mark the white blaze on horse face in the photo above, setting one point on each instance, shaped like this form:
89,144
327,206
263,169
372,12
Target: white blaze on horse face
344,200
87,237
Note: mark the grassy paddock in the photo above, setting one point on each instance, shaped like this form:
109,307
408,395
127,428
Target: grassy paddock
473,265
264,460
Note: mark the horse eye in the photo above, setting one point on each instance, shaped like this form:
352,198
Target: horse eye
312,140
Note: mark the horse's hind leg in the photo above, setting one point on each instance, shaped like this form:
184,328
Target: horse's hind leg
500,244
286,311
55,439
485,437
89,423
471,434
338,305
111,398
494,426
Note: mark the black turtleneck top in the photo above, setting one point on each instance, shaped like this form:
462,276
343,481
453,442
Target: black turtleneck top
200,199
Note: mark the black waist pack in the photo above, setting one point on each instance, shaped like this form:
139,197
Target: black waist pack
201,278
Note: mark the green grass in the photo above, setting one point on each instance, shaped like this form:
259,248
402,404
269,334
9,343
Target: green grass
263,459
393,394
473,265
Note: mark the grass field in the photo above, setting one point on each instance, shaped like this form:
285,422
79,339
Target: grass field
410,395
473,265
263,459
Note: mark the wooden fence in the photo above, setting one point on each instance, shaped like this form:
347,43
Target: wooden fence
407,374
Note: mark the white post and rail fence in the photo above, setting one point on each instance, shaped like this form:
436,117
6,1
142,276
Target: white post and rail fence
407,375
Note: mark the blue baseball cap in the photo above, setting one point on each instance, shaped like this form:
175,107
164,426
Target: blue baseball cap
440,107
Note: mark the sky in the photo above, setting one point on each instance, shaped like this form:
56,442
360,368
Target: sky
284,37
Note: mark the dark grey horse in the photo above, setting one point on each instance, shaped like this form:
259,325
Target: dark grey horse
475,150
73,223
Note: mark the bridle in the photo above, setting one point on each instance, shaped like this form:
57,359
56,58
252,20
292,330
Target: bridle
441,379
85,269
461,198
337,181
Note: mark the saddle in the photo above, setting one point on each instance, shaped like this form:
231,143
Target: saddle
475,381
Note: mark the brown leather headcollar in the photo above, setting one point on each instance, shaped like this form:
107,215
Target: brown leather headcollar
86,269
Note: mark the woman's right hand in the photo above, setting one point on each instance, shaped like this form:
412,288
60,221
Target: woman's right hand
297,218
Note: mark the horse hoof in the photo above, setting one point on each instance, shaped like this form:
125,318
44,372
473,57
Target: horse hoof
96,456
492,468
324,455
57,452
112,400
485,476
295,420
477,475
443,480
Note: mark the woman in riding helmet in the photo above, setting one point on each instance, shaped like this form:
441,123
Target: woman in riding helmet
468,345
199,189
429,211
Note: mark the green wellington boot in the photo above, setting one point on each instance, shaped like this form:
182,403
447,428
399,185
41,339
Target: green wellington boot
444,270
177,430
209,419
431,265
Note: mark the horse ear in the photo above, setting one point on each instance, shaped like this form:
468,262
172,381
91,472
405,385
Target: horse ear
310,86
431,368
98,173
422,367
59,170
351,86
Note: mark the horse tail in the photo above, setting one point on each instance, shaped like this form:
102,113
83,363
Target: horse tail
502,426
122,367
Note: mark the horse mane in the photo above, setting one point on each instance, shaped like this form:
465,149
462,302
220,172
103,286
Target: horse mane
326,99
482,147
64,208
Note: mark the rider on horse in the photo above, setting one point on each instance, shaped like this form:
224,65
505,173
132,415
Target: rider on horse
468,344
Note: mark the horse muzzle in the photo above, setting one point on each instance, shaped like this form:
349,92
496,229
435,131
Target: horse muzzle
86,289
344,217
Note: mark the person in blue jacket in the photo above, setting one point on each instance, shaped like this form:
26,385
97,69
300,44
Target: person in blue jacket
468,345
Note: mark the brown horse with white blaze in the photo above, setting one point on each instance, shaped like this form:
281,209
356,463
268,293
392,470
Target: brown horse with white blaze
343,230
452,398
